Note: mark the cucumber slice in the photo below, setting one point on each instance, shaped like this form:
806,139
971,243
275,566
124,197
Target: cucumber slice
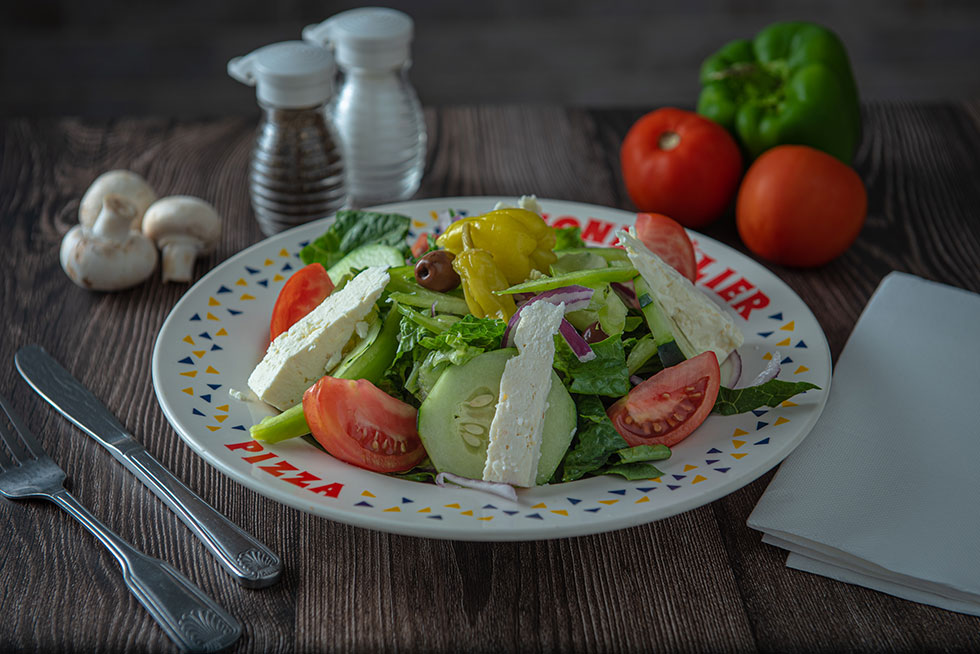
366,256
672,346
454,420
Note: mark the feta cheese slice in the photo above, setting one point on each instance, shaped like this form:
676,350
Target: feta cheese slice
515,431
301,355
706,326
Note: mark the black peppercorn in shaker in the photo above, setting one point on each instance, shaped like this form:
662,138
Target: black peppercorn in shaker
297,171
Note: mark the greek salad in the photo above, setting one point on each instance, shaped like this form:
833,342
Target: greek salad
501,352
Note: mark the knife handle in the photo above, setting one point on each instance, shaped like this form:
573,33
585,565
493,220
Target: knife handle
251,563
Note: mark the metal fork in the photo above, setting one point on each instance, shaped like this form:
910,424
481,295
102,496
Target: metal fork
192,619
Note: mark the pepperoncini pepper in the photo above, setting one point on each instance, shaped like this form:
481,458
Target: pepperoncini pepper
480,277
518,239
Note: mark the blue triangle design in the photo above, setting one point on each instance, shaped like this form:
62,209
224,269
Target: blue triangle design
777,316
760,412
800,344
535,516
488,506
709,462
286,267
672,487
511,512
303,244
765,334
619,492
647,489
573,500
224,289
240,427
405,500
362,503
189,361
253,271
714,450
233,312
595,510
195,317
264,282
759,425
206,398
196,412
214,387
678,477
722,469
764,441
205,335
786,360
216,347
434,517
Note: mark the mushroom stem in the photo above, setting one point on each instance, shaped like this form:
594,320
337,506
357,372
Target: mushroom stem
113,222
179,254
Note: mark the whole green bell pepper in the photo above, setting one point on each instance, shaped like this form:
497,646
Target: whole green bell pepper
792,84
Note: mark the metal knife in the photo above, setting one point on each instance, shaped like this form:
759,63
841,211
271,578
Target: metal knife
251,563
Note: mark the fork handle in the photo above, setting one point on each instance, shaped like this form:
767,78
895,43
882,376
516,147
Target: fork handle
192,619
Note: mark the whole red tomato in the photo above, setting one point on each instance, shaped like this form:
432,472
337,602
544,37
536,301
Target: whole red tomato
680,164
799,206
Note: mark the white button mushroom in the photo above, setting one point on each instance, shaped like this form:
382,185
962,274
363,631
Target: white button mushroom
183,227
126,183
109,255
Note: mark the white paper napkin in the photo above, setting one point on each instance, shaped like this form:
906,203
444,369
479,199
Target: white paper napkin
885,491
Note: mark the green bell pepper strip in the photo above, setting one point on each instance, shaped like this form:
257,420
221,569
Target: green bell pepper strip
791,84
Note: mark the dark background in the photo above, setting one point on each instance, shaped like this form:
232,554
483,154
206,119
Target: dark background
106,58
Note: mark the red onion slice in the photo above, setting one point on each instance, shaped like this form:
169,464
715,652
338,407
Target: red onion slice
576,341
575,298
770,372
736,360
636,380
626,293
505,491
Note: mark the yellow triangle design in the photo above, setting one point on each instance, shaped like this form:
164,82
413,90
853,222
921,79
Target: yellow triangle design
784,342
739,432
642,499
789,403
655,479
698,479
268,262
283,252
367,494
780,421
246,296
689,467
467,512
221,332
425,510
790,326
211,316
540,505
610,502
213,303
188,339
451,506
241,282
223,407
488,517
800,369
560,512
739,455
738,444
419,223
188,390
221,418
214,427
212,371
199,353
393,509
189,373
278,278
767,356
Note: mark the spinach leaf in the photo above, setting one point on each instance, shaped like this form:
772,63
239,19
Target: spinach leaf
741,400
595,441
567,238
632,471
353,229
606,374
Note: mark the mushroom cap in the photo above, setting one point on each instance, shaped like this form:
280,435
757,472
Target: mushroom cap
104,264
126,183
182,218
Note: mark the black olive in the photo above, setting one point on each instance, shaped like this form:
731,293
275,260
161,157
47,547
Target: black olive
435,271
593,333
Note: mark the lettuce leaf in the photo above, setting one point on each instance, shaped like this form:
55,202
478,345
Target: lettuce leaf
353,229
567,238
772,393
606,374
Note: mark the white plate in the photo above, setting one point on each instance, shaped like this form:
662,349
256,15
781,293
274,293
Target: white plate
218,331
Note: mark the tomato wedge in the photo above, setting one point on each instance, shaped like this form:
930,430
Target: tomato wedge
360,424
667,239
303,292
666,408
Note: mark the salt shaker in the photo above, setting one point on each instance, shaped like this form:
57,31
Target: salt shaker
376,110
297,171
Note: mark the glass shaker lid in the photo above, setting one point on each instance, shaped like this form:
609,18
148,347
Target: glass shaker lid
288,75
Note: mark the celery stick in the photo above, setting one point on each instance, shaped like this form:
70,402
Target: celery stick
291,423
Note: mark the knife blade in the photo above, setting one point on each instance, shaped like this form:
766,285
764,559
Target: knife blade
249,561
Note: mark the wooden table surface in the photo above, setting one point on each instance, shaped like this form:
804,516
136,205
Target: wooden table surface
698,581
